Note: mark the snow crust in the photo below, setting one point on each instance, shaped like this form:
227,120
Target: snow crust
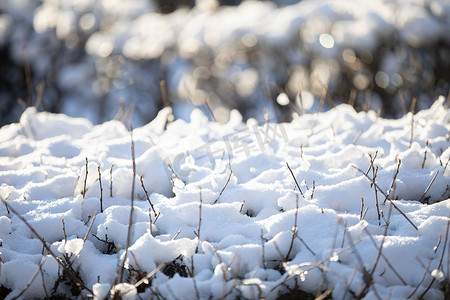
225,205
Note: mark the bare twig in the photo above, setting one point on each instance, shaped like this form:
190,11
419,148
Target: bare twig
146,194
362,209
295,179
163,88
69,271
357,137
176,235
242,206
295,229
332,253
40,96
384,257
413,104
208,105
424,275
101,188
64,230
130,222
228,180
440,260
393,181
304,243
262,249
377,259
85,179
384,194
349,282
429,186
110,181
199,221
32,279
425,154
149,275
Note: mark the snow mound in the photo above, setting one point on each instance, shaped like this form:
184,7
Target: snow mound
335,201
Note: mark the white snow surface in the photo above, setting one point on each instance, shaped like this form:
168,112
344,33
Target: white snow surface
225,205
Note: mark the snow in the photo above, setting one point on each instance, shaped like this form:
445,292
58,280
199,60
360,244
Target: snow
92,54
224,213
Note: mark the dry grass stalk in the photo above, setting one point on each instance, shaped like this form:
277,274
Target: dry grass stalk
85,179
295,179
295,228
130,221
111,181
101,188
429,186
384,194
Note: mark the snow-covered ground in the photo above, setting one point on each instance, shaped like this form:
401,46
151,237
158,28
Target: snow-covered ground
224,216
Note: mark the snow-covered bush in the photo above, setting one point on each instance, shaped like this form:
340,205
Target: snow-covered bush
342,203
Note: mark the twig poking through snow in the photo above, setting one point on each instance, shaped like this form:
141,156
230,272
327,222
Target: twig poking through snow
110,181
146,195
440,260
413,104
32,279
393,181
64,230
199,220
130,222
101,188
429,186
262,249
425,154
149,275
228,180
69,271
85,179
295,229
295,179
384,194
357,137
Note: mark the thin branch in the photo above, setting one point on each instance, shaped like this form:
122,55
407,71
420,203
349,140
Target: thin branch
199,220
64,230
262,249
32,279
67,268
85,179
228,180
295,229
384,194
357,137
130,221
393,181
425,154
295,179
146,194
304,243
147,277
429,186
110,181
440,260
422,279
384,257
332,253
101,188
